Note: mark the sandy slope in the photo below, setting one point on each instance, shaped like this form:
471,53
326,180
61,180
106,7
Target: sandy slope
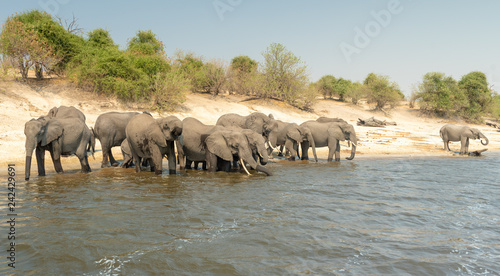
413,135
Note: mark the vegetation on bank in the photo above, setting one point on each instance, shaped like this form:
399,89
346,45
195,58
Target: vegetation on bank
143,72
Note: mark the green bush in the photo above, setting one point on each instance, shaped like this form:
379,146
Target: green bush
382,92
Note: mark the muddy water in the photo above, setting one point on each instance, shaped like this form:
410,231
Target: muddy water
418,216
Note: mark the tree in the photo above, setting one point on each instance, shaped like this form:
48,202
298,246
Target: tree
146,43
243,75
325,86
342,87
191,67
475,87
440,94
215,73
381,91
285,75
357,92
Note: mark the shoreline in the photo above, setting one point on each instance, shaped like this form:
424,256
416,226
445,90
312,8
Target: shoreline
413,136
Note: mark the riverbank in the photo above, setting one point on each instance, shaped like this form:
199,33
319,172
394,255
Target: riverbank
414,135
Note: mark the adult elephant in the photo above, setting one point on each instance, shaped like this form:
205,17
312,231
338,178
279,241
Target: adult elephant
329,135
66,112
110,130
192,142
61,137
456,133
151,138
291,135
257,121
222,147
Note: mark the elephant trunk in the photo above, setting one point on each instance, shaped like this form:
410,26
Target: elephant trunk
311,141
30,147
481,137
354,143
260,168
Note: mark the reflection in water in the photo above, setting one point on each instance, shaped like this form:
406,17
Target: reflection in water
367,216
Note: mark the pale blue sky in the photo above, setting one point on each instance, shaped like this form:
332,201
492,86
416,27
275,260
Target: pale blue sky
453,36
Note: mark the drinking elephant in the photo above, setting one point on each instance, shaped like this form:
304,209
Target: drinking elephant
456,133
257,121
66,112
61,137
110,130
291,135
224,146
151,138
329,135
192,143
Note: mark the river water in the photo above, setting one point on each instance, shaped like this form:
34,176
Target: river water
392,216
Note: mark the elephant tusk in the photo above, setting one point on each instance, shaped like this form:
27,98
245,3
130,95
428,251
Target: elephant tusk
353,144
243,165
269,144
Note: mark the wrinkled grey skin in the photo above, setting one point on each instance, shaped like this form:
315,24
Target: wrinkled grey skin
151,138
61,137
110,130
192,141
456,133
329,135
128,159
290,135
222,147
66,112
257,121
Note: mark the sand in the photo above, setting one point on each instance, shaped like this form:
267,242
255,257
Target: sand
414,134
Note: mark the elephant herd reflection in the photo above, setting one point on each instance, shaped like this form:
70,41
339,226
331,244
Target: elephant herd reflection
234,142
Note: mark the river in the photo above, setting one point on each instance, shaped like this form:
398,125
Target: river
372,216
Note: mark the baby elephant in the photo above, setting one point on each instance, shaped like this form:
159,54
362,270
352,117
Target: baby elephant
456,133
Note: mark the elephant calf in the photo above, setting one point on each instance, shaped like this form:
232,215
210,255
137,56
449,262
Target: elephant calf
456,133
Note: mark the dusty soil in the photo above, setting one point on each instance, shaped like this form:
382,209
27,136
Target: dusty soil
414,135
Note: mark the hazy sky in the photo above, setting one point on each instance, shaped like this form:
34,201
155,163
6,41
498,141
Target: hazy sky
402,39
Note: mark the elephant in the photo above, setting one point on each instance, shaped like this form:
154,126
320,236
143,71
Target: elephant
61,137
110,130
330,120
192,143
455,133
290,135
329,134
128,159
66,112
221,148
151,138
257,121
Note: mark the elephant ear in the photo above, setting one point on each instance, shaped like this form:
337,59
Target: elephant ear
254,123
52,112
155,133
53,130
336,132
216,144
294,134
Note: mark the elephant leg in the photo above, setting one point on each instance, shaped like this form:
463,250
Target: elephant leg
204,165
55,153
137,161
40,160
113,161
463,145
333,148
105,153
280,153
466,146
225,166
305,149
84,162
189,164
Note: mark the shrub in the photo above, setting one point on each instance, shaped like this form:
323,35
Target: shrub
381,92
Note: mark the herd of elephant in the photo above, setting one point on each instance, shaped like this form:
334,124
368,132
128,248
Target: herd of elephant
144,140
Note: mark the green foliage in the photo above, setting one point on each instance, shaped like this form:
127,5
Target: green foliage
145,43
325,86
475,87
100,38
381,91
440,94
169,90
243,76
495,107
357,92
342,87
214,76
191,67
285,76
243,65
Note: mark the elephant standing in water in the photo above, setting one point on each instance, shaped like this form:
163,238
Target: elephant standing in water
329,135
151,138
291,135
257,121
61,137
194,150
110,130
456,133
223,146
